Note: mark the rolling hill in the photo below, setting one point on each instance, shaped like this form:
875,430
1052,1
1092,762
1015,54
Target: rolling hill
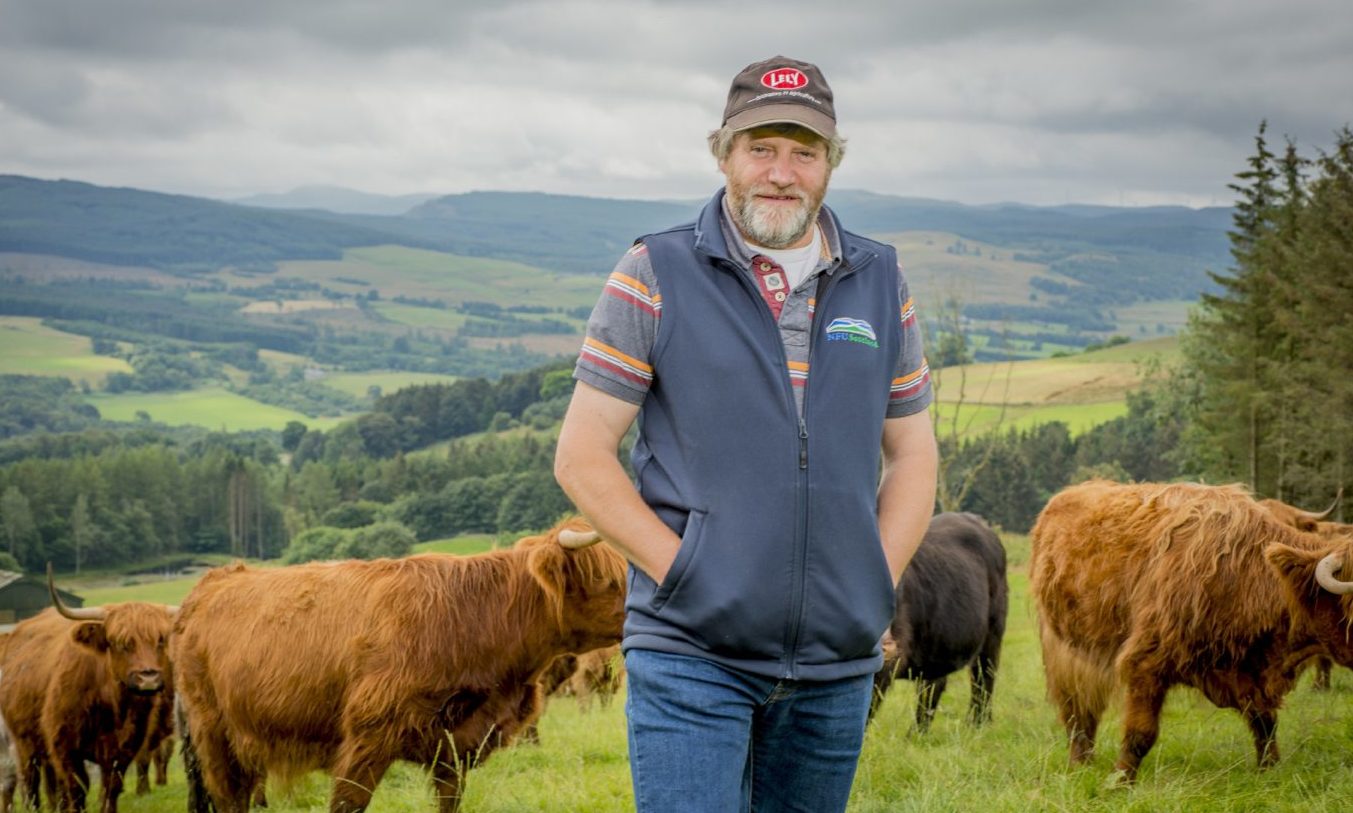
277,302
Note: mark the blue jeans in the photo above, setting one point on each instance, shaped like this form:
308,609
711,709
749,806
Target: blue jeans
704,738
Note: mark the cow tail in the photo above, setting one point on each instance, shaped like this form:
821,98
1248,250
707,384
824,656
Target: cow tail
1079,687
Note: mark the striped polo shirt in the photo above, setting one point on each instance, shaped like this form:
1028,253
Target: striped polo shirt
615,356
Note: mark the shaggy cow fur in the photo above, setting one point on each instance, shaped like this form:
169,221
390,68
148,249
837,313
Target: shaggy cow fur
1142,587
951,607
349,666
84,690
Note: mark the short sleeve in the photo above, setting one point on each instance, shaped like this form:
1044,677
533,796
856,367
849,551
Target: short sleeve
617,351
910,392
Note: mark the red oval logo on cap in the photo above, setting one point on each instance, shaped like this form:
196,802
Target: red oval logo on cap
784,79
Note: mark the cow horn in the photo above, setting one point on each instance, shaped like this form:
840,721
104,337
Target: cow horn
1324,575
1321,515
574,540
73,613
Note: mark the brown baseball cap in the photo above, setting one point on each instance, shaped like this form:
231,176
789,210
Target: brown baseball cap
781,90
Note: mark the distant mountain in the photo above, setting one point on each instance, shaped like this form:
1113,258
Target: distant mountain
1096,256
1172,229
336,199
173,232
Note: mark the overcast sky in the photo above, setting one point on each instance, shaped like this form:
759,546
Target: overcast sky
1054,101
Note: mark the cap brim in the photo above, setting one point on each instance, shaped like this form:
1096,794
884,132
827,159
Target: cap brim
799,114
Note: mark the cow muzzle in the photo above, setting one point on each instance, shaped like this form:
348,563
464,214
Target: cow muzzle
145,681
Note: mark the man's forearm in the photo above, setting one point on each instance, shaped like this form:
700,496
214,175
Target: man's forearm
906,498
589,472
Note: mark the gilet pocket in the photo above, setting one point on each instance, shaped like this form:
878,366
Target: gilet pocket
690,543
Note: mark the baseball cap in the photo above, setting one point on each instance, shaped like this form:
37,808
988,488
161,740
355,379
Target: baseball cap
778,90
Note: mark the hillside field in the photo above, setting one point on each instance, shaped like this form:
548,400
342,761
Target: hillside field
1203,761
1082,390
357,384
400,271
212,407
27,347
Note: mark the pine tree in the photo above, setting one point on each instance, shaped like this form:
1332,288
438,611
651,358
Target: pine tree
1318,285
1229,340
1269,360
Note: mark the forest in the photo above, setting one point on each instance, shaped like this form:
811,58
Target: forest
1263,395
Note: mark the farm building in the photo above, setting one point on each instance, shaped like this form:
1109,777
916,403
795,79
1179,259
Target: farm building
24,596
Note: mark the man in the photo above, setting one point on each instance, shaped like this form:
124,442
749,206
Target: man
764,545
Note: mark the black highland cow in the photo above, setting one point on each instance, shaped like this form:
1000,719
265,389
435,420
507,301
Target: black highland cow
951,608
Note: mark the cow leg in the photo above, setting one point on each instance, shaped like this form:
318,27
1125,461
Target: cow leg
112,788
927,700
71,786
983,680
358,770
1264,727
162,756
142,774
226,780
30,770
1141,724
9,783
883,680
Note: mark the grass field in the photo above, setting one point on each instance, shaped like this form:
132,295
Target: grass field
29,348
399,271
1203,761
421,317
1081,390
212,407
983,274
357,384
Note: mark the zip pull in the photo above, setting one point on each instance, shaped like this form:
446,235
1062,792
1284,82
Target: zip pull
803,443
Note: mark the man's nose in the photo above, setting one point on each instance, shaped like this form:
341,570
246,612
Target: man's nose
782,171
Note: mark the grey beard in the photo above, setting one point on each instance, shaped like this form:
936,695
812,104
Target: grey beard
763,231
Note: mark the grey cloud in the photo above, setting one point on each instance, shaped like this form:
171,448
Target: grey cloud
987,99
147,29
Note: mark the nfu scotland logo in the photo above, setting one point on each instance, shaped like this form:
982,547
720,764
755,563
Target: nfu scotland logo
859,331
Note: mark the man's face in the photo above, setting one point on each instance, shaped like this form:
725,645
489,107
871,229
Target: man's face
776,183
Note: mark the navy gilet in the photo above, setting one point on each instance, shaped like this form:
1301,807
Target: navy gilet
780,571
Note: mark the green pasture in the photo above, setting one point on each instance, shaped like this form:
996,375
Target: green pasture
277,358
27,347
214,298
396,271
978,419
212,407
1134,353
421,317
357,384
417,316
170,587
1082,390
1142,319
985,273
1203,761
463,545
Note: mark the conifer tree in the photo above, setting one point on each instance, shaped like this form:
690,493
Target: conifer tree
1228,337
1318,288
1269,360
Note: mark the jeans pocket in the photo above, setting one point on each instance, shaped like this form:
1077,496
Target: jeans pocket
690,541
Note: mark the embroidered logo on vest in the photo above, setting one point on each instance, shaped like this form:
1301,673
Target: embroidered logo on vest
858,331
